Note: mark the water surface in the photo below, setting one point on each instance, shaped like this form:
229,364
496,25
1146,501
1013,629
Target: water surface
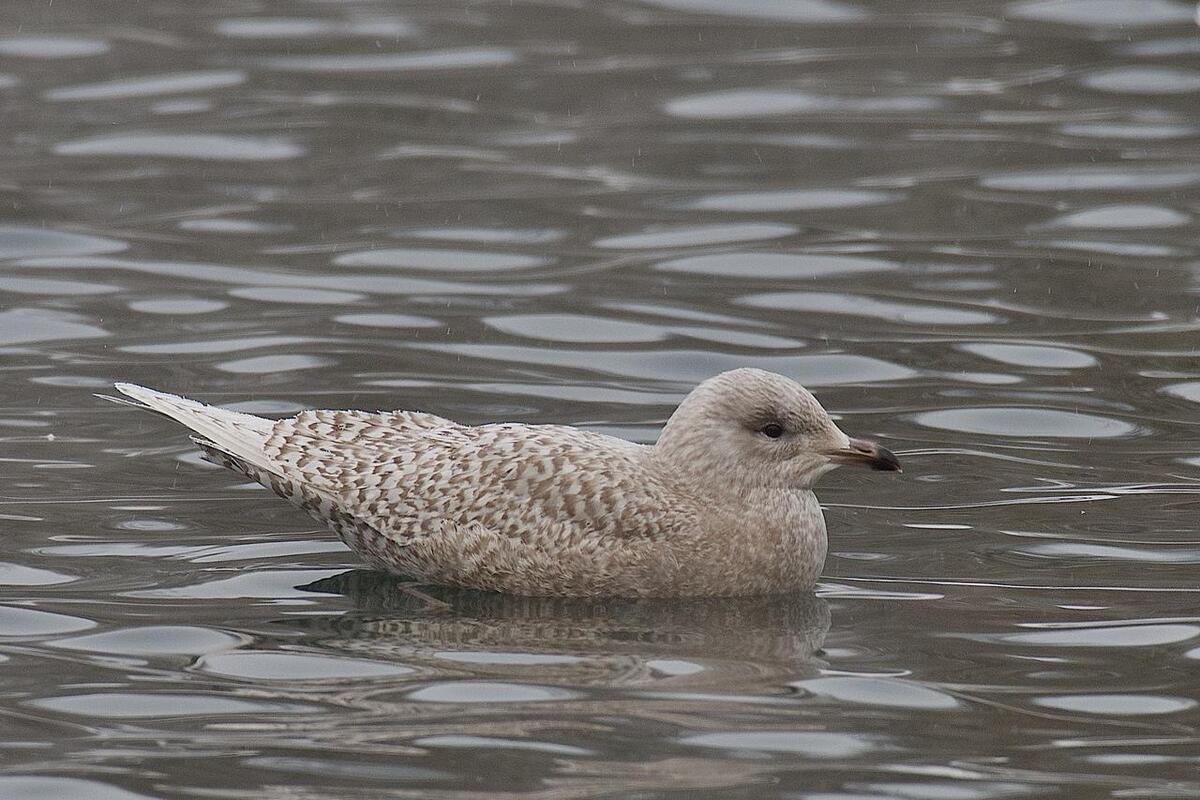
970,227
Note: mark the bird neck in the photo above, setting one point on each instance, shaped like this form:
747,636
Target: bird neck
698,473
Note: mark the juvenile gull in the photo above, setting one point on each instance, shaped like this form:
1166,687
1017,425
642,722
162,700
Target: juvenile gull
722,504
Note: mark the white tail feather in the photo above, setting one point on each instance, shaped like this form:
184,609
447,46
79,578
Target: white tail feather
242,435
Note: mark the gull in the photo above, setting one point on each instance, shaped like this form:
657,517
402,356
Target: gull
721,505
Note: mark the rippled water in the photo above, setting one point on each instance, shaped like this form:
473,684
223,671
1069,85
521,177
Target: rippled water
969,226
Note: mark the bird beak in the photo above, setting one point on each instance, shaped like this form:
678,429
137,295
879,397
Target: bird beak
864,453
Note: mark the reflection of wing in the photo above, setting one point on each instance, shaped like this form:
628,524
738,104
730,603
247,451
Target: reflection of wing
767,641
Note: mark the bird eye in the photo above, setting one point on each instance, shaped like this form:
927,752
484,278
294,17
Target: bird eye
772,430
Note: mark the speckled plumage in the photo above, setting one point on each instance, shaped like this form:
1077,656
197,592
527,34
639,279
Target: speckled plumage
716,507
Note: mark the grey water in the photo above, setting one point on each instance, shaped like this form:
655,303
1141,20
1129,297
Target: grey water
970,227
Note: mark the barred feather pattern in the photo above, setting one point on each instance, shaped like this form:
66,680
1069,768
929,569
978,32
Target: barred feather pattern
518,508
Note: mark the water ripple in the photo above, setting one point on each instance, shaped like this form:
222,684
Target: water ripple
201,146
150,85
459,58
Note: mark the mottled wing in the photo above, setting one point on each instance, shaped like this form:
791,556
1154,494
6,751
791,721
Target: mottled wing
413,476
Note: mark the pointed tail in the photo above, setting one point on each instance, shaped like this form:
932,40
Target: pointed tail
241,435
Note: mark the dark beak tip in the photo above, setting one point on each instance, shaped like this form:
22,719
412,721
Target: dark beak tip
868,454
886,461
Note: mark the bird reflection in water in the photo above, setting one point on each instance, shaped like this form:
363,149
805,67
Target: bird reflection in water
697,643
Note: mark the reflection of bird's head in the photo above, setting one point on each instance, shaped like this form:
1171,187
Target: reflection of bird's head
749,428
